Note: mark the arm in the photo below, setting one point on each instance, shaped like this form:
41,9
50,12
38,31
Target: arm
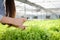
18,22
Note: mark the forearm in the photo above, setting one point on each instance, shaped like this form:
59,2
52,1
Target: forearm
7,20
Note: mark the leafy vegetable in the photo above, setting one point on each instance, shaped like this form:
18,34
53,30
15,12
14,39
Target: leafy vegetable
35,30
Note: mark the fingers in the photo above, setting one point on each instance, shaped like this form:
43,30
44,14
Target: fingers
22,27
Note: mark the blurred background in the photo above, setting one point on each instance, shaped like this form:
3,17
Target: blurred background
38,9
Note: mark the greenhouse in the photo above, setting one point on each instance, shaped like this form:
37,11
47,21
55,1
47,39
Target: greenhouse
30,20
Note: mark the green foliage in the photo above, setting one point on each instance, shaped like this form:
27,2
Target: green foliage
35,30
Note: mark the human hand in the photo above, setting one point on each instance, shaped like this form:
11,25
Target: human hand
19,22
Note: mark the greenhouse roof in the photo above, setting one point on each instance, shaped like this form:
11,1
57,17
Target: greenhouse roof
44,3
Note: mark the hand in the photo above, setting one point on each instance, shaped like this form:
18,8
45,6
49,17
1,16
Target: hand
19,22
14,21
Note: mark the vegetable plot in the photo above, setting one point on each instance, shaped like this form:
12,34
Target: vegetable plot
35,30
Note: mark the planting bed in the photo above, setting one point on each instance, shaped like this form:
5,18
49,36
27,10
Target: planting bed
35,30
